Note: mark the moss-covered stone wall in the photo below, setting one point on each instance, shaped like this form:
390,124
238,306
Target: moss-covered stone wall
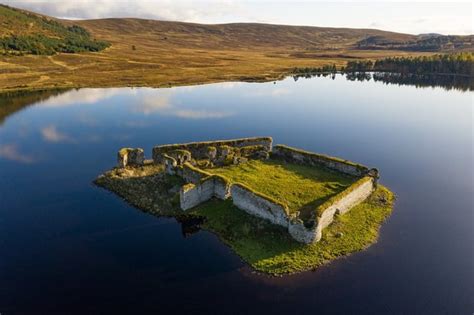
202,186
202,150
298,156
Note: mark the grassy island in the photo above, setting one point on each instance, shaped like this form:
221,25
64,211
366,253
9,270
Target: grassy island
266,247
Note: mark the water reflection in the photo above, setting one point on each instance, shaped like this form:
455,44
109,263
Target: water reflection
448,82
190,224
164,102
12,152
82,96
50,133
15,101
87,245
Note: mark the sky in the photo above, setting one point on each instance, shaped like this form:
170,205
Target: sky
414,17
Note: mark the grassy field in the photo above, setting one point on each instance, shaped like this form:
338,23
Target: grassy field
163,54
302,188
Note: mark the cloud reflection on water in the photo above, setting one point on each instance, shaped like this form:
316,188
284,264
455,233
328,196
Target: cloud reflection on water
12,153
83,96
50,133
146,101
164,102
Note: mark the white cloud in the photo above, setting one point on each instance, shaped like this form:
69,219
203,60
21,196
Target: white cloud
52,134
182,10
268,92
160,102
82,96
11,152
201,114
443,17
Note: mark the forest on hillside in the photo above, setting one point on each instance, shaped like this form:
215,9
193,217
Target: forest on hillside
24,33
458,64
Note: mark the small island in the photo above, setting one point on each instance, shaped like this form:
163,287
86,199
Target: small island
282,210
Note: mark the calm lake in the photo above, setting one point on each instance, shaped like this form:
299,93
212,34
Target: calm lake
69,247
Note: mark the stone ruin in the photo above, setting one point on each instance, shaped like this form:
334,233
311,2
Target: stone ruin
130,157
189,161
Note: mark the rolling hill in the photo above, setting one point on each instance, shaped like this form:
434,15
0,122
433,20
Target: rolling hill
25,32
162,53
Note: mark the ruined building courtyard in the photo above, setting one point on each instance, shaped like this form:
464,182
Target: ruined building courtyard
281,209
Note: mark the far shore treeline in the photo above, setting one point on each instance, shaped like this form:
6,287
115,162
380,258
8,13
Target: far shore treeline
458,64
451,64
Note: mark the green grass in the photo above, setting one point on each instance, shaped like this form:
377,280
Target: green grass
266,247
302,188
270,249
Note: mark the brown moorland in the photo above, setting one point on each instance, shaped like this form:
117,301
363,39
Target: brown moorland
161,53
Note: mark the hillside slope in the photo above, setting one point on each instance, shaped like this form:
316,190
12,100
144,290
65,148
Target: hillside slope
161,53
26,32
234,36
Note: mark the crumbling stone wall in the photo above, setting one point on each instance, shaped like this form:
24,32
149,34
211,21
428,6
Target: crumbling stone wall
221,187
339,204
191,195
130,157
203,150
298,156
259,205
192,174
202,186
181,156
170,165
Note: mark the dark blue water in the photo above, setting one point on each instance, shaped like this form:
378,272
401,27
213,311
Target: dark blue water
68,247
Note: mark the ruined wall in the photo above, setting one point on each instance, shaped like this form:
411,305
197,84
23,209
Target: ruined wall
221,187
130,157
192,174
343,202
202,185
170,165
298,156
302,233
191,195
339,204
259,205
199,150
